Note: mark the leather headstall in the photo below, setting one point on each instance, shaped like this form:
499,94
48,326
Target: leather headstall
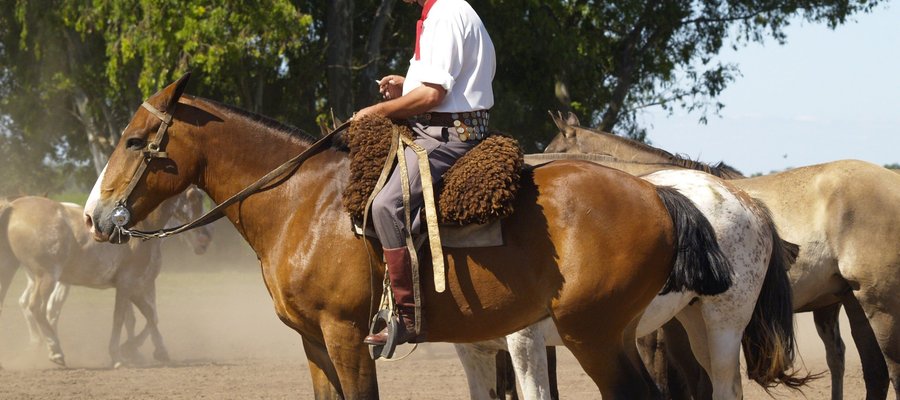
121,214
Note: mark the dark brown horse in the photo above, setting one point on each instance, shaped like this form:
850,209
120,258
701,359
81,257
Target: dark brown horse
588,245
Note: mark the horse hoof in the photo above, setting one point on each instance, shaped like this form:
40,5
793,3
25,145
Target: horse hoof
161,356
58,359
117,365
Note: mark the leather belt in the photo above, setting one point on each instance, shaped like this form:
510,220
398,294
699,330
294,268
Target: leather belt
471,125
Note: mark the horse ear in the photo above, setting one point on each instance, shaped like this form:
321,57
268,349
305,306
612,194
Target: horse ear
572,119
558,120
166,99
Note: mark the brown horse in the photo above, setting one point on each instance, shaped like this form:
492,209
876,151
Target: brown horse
588,245
845,218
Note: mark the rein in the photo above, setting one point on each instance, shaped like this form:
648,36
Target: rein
121,215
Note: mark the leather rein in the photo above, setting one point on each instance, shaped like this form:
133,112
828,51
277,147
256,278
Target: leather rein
121,214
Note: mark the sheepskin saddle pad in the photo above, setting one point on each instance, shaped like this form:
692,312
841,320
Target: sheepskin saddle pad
478,189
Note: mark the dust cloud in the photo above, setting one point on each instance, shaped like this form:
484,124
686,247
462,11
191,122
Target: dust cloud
220,328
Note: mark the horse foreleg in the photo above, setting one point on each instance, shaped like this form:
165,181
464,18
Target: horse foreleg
826,320
326,385
122,302
146,303
354,366
479,361
133,342
875,371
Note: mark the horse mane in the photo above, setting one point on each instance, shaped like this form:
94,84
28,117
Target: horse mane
719,169
263,120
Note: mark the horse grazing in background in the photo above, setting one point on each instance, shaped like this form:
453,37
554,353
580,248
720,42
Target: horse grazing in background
756,311
587,245
50,241
844,216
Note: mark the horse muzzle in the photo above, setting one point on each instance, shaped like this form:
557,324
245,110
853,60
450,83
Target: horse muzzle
109,227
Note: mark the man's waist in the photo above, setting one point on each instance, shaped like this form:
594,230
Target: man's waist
469,125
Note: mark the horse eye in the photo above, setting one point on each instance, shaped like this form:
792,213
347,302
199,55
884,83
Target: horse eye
135,143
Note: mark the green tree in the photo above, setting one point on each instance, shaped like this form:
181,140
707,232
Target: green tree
608,60
73,73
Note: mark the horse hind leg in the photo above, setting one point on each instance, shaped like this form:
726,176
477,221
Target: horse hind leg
883,309
34,332
826,320
875,371
54,307
605,358
37,306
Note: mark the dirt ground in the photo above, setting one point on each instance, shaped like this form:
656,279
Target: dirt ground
226,343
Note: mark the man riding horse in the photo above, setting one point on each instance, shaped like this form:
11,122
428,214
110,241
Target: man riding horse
446,95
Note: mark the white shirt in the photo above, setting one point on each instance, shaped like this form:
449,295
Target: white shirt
455,52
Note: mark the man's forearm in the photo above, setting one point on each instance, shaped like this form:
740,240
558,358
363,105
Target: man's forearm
422,99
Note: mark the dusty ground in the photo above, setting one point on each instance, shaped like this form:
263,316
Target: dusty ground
226,343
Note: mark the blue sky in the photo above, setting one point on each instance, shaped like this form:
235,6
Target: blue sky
823,96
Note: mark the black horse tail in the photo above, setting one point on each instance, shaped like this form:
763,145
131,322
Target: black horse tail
700,266
768,342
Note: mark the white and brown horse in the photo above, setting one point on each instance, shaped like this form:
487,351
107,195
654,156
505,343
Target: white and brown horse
755,311
49,240
588,245
846,219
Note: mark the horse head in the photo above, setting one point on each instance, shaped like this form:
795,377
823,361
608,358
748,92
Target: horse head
154,160
566,141
188,207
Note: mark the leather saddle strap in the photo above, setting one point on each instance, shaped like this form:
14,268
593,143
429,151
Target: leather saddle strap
434,236
387,298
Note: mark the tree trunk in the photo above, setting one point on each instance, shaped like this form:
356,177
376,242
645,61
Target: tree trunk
99,143
373,53
339,57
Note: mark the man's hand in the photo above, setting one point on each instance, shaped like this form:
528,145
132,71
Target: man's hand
391,86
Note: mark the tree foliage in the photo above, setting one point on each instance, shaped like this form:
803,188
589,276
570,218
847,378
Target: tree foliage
72,73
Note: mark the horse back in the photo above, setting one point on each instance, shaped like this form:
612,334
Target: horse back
579,231
843,214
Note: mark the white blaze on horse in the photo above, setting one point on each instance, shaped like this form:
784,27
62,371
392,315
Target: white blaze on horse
49,239
756,310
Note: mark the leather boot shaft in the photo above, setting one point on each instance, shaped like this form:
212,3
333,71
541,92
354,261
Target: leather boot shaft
400,272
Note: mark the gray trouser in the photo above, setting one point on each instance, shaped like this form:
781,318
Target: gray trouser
387,208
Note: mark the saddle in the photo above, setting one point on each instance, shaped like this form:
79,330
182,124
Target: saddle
477,191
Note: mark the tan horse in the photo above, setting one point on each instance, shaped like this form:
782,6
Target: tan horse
846,219
50,241
588,245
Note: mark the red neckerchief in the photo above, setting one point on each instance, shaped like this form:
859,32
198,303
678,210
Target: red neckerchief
421,23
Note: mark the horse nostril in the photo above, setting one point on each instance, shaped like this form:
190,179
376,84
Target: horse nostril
88,222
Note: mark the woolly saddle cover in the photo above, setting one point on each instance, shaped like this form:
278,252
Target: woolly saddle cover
478,188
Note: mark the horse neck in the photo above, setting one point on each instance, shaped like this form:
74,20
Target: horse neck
240,150
621,148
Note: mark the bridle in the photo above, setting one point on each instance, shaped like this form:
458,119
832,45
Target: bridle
121,214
